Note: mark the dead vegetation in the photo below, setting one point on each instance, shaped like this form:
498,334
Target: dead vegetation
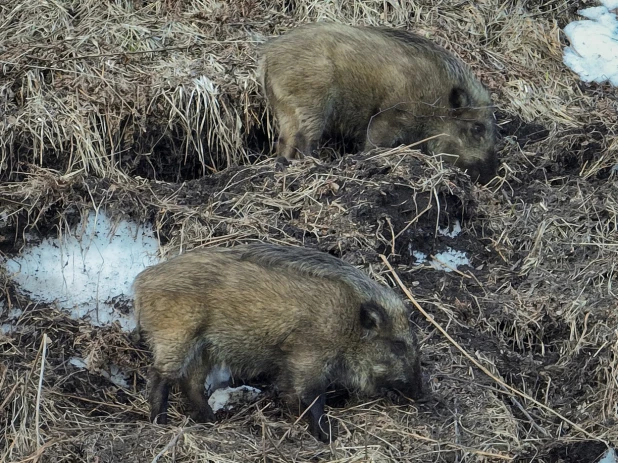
151,111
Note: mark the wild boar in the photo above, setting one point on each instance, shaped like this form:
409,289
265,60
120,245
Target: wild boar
304,318
376,87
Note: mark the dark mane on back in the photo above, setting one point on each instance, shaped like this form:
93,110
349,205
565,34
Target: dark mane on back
419,43
307,261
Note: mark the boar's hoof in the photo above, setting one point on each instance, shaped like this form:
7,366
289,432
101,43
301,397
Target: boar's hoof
203,416
157,418
281,163
325,430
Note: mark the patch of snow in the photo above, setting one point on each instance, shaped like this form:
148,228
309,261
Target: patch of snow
452,234
451,257
114,374
14,313
227,398
6,328
593,50
78,362
83,270
610,456
420,257
11,317
610,4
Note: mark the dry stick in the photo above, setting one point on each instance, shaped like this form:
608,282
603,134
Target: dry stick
38,394
297,420
429,206
171,443
411,145
477,364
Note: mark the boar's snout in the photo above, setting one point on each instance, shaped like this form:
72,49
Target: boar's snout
482,171
410,387
400,391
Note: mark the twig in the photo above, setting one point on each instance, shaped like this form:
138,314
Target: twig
39,391
170,444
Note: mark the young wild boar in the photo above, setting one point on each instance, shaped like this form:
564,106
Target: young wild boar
304,318
376,86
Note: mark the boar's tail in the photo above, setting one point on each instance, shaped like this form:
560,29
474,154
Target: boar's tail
263,76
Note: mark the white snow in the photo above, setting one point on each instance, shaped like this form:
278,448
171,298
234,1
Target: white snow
452,234
421,257
610,456
610,4
230,396
451,257
593,50
84,269
11,317
111,372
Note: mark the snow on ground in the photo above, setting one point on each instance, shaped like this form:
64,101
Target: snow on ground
420,257
610,456
84,269
593,53
225,399
10,318
452,258
452,234
111,372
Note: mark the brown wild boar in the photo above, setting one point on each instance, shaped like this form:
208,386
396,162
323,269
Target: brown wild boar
376,86
304,318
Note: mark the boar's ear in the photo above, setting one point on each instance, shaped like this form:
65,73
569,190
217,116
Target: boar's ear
459,98
372,316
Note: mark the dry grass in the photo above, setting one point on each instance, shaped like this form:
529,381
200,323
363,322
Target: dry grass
151,111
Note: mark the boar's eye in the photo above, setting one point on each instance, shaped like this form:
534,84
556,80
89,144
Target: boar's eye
478,130
398,347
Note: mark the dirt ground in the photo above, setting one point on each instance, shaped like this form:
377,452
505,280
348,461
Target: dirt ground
536,308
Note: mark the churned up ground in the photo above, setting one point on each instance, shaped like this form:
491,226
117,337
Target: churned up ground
150,112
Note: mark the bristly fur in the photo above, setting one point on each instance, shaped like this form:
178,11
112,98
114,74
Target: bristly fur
376,86
304,318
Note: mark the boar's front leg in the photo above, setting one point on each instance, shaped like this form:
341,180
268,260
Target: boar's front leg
319,424
303,377
158,397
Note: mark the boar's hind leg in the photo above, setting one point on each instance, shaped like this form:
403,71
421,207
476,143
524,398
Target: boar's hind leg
288,128
300,134
159,393
192,385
